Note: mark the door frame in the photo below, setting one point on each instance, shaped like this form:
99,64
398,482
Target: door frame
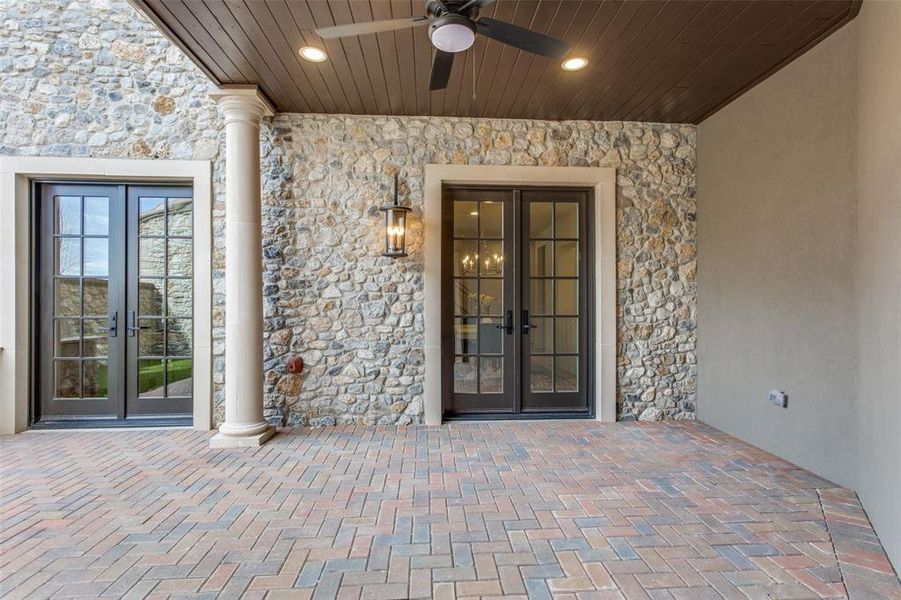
510,293
603,181
585,298
516,280
44,298
132,318
17,240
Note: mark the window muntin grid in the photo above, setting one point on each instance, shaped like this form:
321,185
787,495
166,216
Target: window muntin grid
479,265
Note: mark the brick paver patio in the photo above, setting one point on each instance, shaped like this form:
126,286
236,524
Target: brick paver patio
567,509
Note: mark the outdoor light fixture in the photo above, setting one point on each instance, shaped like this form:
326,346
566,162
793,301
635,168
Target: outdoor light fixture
313,54
574,64
395,227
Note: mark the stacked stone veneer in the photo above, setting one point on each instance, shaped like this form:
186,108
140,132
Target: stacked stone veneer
95,79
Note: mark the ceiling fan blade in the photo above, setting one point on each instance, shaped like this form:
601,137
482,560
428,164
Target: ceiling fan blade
441,69
339,31
522,38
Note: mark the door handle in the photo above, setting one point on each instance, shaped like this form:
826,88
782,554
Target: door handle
114,324
508,323
133,328
526,326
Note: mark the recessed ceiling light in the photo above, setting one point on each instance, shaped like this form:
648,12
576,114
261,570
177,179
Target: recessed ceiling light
313,54
574,64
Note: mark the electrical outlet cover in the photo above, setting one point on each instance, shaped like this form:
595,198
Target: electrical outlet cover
779,398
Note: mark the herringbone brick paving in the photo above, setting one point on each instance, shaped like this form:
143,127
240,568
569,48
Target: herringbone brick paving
565,509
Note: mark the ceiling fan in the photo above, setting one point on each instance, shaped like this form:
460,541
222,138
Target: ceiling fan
453,25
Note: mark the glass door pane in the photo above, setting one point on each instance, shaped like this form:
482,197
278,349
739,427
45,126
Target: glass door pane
478,280
82,286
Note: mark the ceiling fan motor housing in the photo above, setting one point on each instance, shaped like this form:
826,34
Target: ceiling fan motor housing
452,33
469,8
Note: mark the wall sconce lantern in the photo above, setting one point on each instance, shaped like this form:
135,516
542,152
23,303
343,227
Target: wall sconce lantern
395,227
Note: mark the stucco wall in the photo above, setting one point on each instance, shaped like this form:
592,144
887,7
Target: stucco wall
879,269
799,282
776,266
95,79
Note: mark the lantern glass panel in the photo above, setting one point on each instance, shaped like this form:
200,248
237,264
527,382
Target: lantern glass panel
395,230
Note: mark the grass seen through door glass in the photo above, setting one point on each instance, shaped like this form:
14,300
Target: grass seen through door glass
151,377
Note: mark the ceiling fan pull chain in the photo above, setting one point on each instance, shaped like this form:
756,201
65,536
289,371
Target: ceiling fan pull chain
473,73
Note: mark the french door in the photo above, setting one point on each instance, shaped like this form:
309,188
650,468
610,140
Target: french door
516,314
114,303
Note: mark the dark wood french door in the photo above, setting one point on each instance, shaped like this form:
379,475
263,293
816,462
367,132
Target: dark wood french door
516,311
114,303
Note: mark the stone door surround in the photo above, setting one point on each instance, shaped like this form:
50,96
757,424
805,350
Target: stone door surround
16,175
603,180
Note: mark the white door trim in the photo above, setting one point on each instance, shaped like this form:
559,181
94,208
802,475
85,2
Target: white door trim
16,173
603,180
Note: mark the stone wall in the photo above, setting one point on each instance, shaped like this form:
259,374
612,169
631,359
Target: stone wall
96,79
356,317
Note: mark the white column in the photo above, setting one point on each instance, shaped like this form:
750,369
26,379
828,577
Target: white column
243,107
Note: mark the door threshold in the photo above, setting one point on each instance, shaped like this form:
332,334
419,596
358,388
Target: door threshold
559,416
114,424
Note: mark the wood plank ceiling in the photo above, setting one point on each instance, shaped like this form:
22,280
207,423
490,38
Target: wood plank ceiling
674,61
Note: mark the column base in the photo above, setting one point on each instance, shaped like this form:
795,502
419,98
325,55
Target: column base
221,440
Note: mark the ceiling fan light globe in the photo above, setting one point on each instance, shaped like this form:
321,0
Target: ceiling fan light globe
452,37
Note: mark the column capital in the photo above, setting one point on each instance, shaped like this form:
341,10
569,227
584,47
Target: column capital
242,103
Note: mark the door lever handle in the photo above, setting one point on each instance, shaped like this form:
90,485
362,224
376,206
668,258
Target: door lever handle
133,328
507,326
526,326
